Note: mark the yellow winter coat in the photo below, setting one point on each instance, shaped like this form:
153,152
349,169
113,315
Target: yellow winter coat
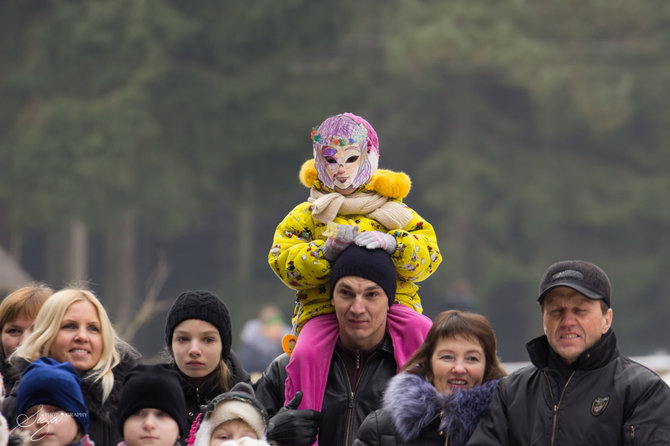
297,259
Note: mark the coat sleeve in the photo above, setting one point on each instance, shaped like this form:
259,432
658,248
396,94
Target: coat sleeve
296,255
270,386
417,255
368,434
648,422
492,428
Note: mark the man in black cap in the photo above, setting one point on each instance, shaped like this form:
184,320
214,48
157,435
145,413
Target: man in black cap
579,388
363,285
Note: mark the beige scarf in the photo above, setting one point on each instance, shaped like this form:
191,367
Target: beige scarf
391,214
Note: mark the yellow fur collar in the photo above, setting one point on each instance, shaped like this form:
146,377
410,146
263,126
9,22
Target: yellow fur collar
385,182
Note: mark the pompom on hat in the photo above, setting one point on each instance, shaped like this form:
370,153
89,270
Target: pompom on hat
205,306
47,381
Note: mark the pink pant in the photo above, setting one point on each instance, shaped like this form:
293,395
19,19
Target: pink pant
308,367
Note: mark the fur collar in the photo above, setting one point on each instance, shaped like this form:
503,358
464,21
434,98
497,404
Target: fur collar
414,404
390,184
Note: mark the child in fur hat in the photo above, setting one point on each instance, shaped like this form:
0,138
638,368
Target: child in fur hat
232,418
351,201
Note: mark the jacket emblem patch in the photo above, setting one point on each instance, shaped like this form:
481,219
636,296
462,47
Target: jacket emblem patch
599,405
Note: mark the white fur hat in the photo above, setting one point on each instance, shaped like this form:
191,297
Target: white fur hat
238,404
245,441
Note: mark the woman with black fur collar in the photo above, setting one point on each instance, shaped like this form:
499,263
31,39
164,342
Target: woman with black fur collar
444,388
73,326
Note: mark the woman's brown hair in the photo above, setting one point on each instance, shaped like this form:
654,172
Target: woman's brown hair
451,324
25,301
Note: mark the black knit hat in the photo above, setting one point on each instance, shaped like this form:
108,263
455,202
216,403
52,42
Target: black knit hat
153,387
205,306
372,264
585,277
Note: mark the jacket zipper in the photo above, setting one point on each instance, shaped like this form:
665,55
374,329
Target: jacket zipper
556,405
441,432
352,393
197,403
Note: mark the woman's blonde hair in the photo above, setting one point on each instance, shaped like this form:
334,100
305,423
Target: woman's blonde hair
47,325
25,301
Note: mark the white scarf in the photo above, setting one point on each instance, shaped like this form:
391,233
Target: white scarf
326,206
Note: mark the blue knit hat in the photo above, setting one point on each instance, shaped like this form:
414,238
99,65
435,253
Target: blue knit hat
47,381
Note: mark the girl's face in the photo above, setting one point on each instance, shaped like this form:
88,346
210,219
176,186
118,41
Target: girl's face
150,427
79,339
342,164
14,332
196,347
49,426
457,363
231,430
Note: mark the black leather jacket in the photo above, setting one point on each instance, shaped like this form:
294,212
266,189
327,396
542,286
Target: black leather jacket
604,398
344,409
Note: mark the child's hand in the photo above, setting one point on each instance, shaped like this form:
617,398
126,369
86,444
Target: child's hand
343,236
376,239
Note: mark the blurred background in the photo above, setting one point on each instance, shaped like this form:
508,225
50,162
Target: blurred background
149,147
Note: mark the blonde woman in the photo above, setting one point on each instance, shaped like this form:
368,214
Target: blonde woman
73,326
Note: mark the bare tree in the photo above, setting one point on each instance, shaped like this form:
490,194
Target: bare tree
150,303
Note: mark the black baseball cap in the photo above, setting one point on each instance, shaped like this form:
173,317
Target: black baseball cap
581,276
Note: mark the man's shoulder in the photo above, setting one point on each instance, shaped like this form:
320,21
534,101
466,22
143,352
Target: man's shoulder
520,376
633,370
281,360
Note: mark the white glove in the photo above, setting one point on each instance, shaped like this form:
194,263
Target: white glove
376,239
337,243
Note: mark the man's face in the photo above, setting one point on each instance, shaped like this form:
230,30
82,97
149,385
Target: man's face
361,307
573,322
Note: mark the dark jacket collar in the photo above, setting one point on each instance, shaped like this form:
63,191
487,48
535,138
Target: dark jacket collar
542,355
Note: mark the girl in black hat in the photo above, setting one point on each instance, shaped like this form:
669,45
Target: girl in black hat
198,337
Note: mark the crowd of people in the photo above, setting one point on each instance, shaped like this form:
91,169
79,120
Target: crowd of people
361,365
